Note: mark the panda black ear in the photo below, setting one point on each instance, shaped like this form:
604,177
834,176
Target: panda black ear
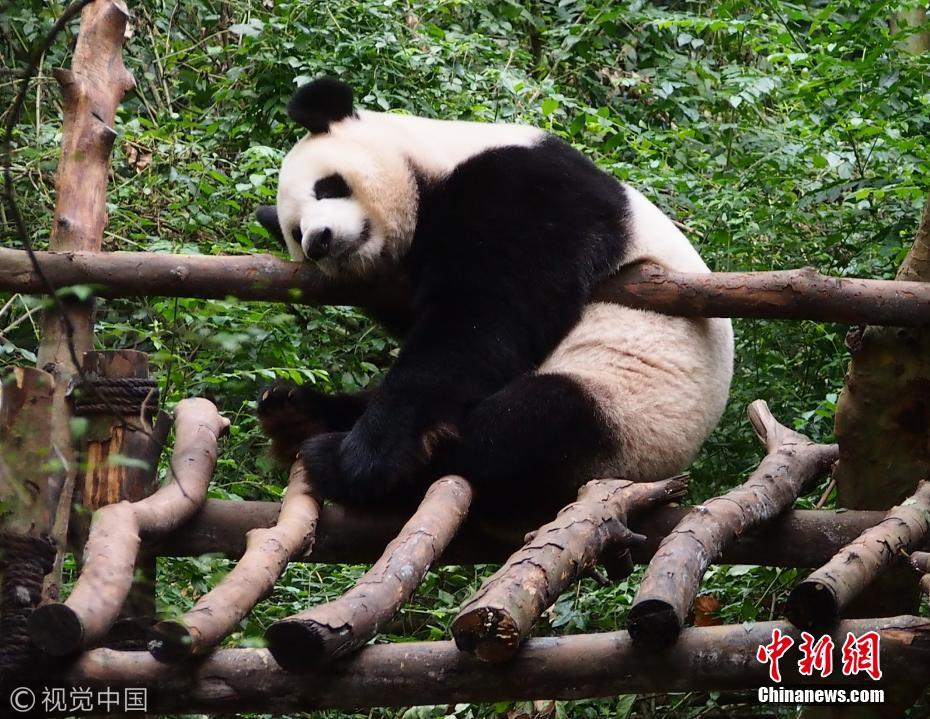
267,216
321,102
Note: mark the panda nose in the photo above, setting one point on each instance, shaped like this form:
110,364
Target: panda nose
318,243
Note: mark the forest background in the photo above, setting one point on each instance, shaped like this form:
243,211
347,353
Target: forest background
778,134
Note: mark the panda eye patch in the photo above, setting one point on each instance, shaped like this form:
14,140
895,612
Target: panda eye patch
331,187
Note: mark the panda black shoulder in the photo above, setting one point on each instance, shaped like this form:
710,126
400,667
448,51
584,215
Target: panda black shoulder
542,208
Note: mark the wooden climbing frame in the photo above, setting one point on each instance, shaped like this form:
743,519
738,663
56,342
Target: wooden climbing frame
321,657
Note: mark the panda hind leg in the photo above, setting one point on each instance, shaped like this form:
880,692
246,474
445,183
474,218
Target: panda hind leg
290,414
529,447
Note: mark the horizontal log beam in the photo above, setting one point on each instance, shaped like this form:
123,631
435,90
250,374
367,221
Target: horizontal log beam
788,294
405,674
802,538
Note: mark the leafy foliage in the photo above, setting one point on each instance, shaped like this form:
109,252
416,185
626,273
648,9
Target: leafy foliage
780,134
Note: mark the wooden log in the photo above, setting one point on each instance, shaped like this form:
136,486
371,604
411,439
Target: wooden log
920,561
800,538
340,627
673,577
571,667
265,559
117,530
25,442
91,92
147,274
496,620
25,552
787,294
118,455
817,602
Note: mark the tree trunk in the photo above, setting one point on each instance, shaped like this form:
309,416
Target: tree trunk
91,91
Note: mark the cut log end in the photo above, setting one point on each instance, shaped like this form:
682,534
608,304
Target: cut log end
171,642
653,625
56,629
296,645
812,606
490,633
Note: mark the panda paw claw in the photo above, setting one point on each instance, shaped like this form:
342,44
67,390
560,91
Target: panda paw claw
289,414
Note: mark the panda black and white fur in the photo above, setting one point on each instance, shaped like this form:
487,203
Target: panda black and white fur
508,374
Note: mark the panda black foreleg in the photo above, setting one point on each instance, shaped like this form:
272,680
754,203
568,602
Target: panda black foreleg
532,445
290,414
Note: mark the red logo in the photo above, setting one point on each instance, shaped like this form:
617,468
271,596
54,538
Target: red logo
817,655
860,654
772,652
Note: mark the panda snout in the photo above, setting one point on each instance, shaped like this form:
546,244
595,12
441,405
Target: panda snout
317,243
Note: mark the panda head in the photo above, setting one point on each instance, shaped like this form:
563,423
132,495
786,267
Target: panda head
347,196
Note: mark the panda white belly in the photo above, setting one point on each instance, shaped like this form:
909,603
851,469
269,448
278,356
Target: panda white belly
660,382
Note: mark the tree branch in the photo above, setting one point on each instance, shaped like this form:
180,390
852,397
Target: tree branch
802,538
788,294
116,534
497,619
411,673
265,559
818,601
672,579
339,627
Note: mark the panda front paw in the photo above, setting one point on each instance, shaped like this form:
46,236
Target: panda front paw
321,456
347,468
290,414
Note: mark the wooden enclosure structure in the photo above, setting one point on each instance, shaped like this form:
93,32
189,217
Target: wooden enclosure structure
319,658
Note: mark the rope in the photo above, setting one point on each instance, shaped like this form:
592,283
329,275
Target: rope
24,561
126,396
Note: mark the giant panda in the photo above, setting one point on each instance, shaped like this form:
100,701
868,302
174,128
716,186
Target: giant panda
508,373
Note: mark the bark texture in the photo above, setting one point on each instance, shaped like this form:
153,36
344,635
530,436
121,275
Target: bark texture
800,538
265,559
26,555
91,91
116,533
883,424
496,620
25,439
817,602
673,577
572,667
788,294
120,427
340,627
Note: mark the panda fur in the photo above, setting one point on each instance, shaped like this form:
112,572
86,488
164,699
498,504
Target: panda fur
508,374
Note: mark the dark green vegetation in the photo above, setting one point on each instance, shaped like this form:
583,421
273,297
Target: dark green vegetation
780,134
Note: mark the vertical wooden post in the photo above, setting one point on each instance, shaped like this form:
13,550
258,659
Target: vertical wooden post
883,431
25,555
118,458
91,91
